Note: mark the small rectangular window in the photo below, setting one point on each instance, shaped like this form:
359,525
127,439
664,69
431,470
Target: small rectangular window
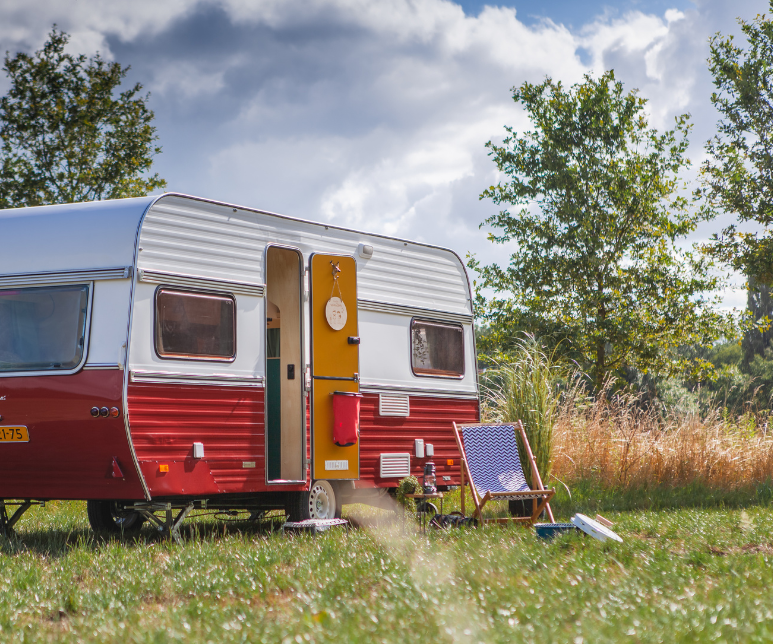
437,349
195,326
43,328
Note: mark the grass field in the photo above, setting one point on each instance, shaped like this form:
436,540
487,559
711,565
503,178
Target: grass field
690,574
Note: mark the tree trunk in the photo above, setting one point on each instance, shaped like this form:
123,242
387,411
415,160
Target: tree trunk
601,367
601,347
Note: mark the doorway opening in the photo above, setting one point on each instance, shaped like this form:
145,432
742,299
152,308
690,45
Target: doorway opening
285,409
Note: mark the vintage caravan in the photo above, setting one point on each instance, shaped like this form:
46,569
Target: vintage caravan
170,353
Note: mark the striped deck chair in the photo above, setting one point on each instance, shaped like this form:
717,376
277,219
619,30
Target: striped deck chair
489,459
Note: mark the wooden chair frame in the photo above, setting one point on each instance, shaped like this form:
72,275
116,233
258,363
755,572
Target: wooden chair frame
538,504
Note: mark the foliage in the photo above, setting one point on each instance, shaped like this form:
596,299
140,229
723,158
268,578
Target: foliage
739,171
596,258
524,388
408,485
738,385
67,136
760,370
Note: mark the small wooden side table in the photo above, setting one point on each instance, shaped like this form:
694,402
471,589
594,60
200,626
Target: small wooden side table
424,497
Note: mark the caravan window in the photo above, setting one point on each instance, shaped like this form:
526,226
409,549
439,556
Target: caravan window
43,328
437,349
195,326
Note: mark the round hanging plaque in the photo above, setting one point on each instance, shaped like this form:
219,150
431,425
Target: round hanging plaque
335,312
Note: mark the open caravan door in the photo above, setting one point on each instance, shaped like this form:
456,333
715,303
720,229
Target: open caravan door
335,359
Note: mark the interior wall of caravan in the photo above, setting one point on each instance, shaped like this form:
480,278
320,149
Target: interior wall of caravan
285,417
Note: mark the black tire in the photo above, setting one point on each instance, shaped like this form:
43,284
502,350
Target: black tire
320,502
106,517
425,507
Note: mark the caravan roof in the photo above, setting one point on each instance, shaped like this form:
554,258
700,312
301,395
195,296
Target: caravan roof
100,234
216,240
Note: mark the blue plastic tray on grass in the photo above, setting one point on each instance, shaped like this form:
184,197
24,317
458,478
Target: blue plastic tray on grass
551,530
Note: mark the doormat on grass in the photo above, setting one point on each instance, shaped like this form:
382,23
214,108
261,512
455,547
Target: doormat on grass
313,525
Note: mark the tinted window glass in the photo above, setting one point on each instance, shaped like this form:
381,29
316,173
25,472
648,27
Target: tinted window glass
194,325
437,349
42,328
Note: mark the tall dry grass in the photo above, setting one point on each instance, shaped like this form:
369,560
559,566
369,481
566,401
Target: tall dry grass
614,441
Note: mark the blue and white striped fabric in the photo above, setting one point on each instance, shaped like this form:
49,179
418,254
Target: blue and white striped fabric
492,457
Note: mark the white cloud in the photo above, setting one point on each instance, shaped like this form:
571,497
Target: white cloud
25,23
369,113
187,80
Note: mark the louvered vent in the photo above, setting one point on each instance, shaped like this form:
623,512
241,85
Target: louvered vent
395,466
391,405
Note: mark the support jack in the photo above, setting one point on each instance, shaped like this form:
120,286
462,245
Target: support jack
6,522
170,524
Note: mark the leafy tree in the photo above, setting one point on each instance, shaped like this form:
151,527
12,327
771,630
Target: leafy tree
739,171
68,134
596,262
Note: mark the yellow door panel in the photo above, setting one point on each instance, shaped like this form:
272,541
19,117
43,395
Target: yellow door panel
334,361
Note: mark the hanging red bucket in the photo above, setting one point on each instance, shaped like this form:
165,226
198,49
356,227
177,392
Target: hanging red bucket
346,418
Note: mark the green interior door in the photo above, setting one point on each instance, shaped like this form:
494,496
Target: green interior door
273,405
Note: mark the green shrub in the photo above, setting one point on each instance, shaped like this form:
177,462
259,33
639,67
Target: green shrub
408,485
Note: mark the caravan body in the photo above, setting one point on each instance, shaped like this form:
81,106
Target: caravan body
173,347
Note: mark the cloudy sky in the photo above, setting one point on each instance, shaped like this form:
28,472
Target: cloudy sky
374,113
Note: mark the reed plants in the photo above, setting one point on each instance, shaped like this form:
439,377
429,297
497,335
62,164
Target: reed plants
524,387
615,440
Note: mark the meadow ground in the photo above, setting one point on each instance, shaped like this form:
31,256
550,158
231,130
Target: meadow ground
682,574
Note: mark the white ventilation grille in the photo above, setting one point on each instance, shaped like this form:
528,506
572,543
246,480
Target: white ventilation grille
391,405
395,466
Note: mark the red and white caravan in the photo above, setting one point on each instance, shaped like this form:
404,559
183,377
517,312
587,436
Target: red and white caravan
170,353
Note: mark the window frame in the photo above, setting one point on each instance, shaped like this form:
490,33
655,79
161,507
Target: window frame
445,323
192,291
86,332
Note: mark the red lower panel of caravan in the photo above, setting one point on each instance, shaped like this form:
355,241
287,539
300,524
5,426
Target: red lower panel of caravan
69,454
166,419
430,419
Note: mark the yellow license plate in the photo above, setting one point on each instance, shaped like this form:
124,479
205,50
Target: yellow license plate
14,434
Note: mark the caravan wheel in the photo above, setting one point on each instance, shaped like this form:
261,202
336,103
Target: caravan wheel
320,502
107,517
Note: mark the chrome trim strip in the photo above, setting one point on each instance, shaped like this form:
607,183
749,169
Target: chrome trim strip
65,277
374,388
125,356
223,380
97,365
191,281
414,311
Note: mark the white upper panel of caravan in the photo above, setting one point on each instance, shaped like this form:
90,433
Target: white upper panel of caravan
216,241
204,240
